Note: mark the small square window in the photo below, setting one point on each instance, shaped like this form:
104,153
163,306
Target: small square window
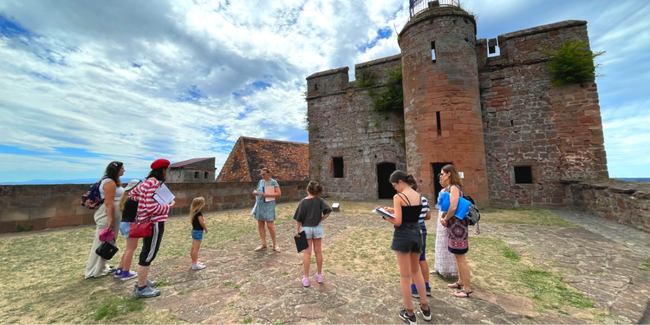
523,175
196,174
337,164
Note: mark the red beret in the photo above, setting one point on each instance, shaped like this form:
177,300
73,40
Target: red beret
160,163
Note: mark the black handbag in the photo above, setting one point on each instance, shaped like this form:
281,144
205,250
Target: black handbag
106,250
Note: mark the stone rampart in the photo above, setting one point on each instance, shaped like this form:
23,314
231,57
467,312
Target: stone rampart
25,207
627,203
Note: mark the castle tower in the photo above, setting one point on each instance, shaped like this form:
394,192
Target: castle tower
442,112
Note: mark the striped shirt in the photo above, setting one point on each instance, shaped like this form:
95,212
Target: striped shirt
148,208
423,214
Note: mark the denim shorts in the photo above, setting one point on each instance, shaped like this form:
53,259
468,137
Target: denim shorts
124,228
197,235
314,232
407,238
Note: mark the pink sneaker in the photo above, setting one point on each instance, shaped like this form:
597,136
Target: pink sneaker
305,282
319,278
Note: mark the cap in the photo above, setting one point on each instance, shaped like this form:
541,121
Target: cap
160,163
132,183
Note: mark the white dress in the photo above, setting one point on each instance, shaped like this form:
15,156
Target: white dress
445,261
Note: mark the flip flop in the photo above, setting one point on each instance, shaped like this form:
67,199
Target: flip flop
463,294
277,249
455,285
260,247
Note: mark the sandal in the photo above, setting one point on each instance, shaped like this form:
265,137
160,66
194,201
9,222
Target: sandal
277,249
455,285
463,294
260,247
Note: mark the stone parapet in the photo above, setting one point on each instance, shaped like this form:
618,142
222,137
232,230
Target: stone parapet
627,203
34,207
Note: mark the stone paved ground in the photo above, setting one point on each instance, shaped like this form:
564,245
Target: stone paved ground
241,286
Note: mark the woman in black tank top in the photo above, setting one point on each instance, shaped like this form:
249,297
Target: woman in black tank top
407,243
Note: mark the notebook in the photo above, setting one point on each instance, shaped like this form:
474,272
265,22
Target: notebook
382,212
301,242
163,195
269,190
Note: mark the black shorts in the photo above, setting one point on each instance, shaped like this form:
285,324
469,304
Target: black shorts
407,238
151,245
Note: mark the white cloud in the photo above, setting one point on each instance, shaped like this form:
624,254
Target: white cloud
107,77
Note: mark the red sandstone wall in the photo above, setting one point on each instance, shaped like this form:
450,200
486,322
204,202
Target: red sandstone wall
50,206
627,203
450,86
527,121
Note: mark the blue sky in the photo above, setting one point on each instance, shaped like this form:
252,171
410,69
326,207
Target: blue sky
83,85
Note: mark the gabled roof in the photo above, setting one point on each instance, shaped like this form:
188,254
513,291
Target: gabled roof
288,161
188,162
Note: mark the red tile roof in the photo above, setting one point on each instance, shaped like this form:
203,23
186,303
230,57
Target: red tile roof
288,161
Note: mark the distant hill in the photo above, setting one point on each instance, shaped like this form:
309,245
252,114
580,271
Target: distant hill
56,181
634,179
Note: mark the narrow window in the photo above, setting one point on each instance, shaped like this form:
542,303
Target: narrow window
205,175
438,124
315,86
433,51
337,163
512,122
196,174
523,175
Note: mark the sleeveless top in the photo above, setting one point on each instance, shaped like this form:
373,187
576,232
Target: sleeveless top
410,213
119,190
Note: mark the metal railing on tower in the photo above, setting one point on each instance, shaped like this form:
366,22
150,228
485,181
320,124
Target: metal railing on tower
417,6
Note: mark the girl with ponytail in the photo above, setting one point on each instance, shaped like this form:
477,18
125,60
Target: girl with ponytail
309,215
407,242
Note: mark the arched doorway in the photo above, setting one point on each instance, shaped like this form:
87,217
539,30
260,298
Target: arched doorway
384,187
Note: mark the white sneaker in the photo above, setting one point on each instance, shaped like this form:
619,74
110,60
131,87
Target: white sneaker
198,266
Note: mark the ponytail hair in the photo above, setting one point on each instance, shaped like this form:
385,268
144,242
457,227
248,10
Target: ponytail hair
197,205
400,175
315,189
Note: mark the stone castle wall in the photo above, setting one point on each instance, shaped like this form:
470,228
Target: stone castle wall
442,107
627,203
342,123
50,206
528,122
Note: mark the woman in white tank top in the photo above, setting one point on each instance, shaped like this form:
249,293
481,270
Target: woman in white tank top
107,216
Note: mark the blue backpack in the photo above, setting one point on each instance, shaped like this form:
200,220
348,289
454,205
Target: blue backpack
93,199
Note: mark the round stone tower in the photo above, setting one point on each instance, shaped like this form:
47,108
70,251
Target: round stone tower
442,108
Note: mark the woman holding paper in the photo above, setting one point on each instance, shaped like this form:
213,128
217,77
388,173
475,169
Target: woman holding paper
267,190
150,210
407,243
457,231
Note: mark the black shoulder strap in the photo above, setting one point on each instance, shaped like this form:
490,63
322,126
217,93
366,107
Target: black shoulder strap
405,201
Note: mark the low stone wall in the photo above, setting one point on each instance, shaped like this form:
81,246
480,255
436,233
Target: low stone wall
627,203
34,207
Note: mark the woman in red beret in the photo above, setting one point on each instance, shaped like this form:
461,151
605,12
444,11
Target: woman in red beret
150,210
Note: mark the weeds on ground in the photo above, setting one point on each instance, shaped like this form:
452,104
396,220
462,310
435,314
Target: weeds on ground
531,217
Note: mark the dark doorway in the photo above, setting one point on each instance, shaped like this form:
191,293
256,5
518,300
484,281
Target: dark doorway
437,168
385,188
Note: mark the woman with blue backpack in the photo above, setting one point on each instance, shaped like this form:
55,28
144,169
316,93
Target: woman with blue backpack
107,194
455,219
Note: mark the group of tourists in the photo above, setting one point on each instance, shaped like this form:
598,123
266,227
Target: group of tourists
134,205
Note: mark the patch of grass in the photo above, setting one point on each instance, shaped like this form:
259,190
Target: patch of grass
278,323
529,317
285,273
248,320
572,63
645,266
363,247
509,253
118,306
20,228
330,271
525,217
163,283
602,316
230,284
550,289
